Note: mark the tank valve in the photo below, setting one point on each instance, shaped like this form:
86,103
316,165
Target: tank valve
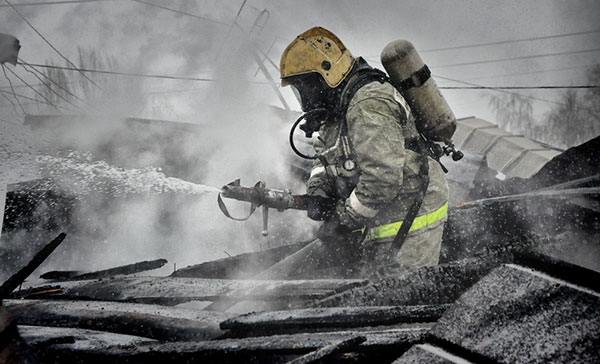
450,149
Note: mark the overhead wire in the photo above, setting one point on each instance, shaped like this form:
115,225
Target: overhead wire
14,107
46,40
477,86
48,87
476,45
23,63
510,41
12,88
32,88
529,72
124,73
517,87
474,86
500,90
143,75
56,3
518,58
180,12
35,101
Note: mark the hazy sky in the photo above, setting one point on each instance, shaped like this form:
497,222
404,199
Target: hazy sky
146,39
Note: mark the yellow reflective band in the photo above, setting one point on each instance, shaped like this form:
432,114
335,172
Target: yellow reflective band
391,229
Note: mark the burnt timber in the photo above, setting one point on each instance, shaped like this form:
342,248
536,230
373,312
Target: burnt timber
517,283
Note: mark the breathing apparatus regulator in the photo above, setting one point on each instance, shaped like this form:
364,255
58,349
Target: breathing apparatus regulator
407,72
311,125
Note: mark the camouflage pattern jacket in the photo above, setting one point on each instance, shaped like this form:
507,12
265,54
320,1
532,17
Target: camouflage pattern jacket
384,181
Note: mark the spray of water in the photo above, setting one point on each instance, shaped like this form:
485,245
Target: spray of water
77,174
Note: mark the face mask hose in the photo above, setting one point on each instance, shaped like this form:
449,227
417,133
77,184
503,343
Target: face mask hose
309,127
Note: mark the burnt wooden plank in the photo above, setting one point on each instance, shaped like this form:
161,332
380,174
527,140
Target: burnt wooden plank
44,336
16,279
388,344
152,321
242,266
107,273
60,274
516,314
169,290
35,291
301,290
335,317
12,347
329,350
441,284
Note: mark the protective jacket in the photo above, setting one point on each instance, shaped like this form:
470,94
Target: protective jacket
382,144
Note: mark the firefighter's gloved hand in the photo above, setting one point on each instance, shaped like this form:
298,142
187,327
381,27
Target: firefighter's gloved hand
345,217
339,227
321,208
331,231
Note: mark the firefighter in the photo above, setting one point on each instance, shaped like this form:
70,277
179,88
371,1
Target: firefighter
370,157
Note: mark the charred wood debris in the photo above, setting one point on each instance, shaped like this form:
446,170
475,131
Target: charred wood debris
506,291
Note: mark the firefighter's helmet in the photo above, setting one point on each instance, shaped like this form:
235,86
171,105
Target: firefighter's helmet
317,50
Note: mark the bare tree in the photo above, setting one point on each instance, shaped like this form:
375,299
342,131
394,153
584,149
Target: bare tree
575,120
513,112
66,86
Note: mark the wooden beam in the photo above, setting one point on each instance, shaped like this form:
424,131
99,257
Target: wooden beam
329,350
151,321
16,279
306,320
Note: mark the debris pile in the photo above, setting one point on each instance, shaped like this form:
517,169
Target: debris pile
511,287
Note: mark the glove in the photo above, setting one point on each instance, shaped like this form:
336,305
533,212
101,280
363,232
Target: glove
321,208
331,230
344,216
338,226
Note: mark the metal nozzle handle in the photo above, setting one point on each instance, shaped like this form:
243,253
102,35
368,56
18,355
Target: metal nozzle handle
265,211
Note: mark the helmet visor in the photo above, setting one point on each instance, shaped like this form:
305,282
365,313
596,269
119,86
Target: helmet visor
310,90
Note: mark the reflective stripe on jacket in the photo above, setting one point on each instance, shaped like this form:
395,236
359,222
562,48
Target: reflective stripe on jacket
420,222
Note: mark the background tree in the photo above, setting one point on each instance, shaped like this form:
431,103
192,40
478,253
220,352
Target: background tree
575,120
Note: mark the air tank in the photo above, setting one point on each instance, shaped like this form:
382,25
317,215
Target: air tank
412,78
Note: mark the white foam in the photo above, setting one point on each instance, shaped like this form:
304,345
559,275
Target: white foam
77,174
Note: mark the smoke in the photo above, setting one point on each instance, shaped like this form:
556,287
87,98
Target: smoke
237,135
121,207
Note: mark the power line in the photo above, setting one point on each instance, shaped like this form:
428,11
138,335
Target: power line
49,87
183,78
23,63
500,90
56,3
123,73
530,72
473,86
504,42
23,96
28,98
509,41
179,12
518,58
12,89
14,107
47,41
518,87
33,89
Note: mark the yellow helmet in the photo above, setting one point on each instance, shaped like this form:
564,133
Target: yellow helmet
316,50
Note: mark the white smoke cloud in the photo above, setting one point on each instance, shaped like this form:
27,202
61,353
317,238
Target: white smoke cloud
244,138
